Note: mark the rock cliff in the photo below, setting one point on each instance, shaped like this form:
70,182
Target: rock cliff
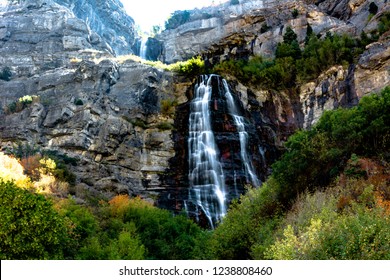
118,118
256,27
86,104
109,20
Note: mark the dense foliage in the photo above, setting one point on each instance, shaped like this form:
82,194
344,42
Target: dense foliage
325,199
349,221
177,18
29,226
294,66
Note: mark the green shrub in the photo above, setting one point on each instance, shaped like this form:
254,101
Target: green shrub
234,2
168,107
22,103
384,23
29,226
139,123
177,18
317,230
191,68
78,102
164,236
295,13
126,246
5,74
291,65
249,222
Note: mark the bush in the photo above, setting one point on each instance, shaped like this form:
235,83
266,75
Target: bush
295,13
165,126
29,226
168,107
163,235
249,222
177,18
22,103
78,102
126,246
5,74
291,65
190,68
317,230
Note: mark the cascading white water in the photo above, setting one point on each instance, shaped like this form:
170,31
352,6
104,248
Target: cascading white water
240,125
208,194
207,184
143,48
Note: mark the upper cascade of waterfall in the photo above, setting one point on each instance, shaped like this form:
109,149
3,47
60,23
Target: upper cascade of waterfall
143,47
209,187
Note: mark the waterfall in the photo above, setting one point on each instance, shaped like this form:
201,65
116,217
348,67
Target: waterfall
210,190
143,48
240,125
207,185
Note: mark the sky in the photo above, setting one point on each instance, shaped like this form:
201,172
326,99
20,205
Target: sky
147,13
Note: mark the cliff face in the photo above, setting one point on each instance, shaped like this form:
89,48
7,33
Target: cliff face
256,27
108,19
102,111
117,116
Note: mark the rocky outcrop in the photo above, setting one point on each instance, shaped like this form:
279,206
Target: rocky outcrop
250,28
356,12
109,20
43,37
105,112
105,22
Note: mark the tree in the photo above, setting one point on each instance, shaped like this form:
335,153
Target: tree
29,226
290,36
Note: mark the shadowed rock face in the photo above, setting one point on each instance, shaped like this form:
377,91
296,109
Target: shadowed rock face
108,19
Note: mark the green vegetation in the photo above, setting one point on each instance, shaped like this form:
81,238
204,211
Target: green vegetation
22,103
30,228
190,68
327,198
321,201
5,74
234,2
177,18
78,102
295,13
164,126
36,163
293,66
168,107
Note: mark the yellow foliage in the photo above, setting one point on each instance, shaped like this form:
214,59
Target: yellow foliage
12,170
121,203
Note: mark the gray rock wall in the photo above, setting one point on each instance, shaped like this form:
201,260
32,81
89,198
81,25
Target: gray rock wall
109,20
103,111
